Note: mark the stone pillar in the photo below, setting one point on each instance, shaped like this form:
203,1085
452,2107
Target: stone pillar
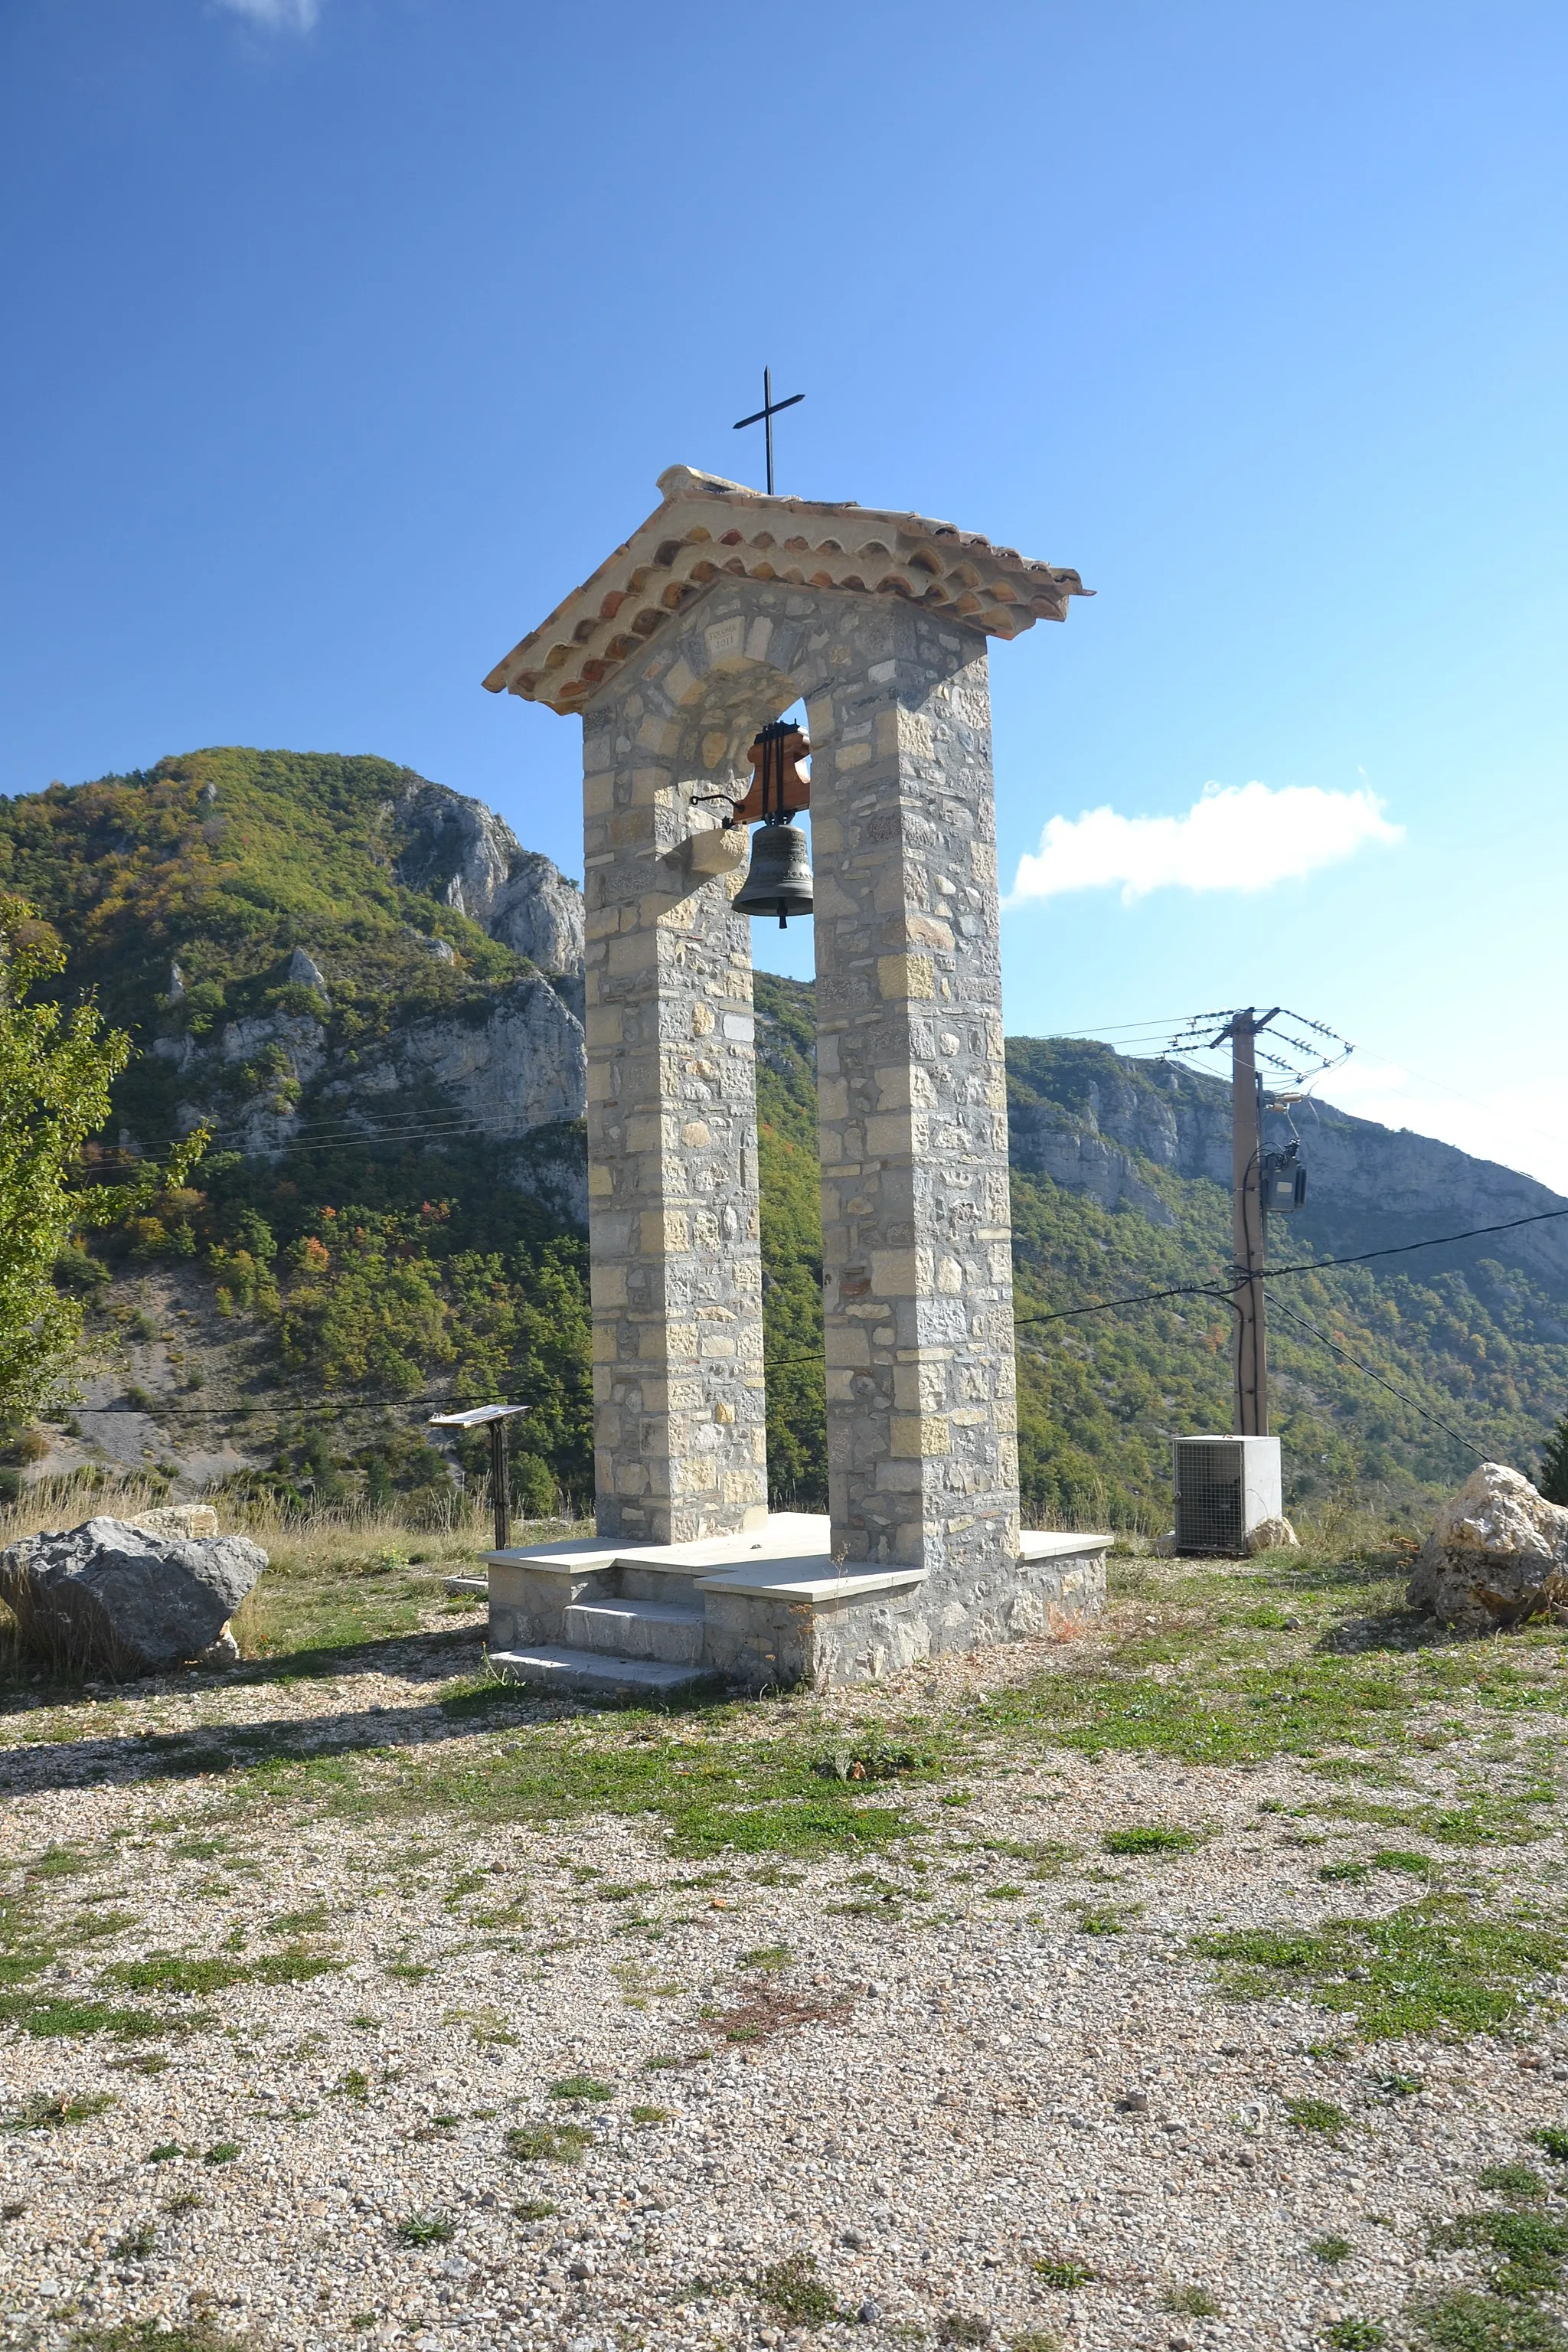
680,1435
917,1268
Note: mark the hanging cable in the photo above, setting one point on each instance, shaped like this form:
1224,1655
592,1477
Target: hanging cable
1138,1298
1312,1265
1402,1249
1402,1394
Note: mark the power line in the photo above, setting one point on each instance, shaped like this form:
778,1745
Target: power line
1316,1265
1140,1298
1156,1024
1468,1444
311,1140
1310,1057
1402,1249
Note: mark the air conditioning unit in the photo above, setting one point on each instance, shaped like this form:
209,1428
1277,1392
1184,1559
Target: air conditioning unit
1225,1486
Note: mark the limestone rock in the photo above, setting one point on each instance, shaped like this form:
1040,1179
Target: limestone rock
540,913
520,1068
1273,1535
1498,1553
461,852
306,972
179,1520
109,1594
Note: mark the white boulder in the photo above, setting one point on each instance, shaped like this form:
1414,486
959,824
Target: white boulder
1273,1535
177,1519
1498,1553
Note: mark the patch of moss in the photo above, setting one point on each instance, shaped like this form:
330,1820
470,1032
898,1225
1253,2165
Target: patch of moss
548,2143
42,2113
1466,2322
1151,1837
1437,1967
793,2290
1316,2116
1530,2248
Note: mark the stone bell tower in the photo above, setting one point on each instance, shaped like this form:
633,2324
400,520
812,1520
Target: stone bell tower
721,609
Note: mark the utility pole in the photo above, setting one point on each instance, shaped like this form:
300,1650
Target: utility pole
1246,1221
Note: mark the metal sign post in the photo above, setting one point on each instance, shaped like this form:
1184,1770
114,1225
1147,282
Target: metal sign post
493,1417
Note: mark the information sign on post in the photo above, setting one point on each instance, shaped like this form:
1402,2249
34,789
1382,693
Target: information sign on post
493,1417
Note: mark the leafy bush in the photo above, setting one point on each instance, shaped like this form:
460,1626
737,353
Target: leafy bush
1553,1481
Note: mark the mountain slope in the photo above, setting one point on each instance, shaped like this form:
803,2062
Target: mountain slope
371,992
1120,1185
1475,1334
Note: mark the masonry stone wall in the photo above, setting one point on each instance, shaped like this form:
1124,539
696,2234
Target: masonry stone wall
918,1287
917,1272
680,1448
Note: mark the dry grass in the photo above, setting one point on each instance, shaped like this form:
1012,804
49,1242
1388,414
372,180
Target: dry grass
67,1502
1097,1514
1342,1524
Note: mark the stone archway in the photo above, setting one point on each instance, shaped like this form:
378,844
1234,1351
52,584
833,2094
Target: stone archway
722,611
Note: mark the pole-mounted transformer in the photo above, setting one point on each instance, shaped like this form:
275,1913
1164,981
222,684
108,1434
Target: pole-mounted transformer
1283,1182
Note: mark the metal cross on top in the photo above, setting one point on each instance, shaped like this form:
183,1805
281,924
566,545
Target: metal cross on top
765,416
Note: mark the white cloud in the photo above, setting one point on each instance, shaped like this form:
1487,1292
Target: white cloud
1242,838
277,16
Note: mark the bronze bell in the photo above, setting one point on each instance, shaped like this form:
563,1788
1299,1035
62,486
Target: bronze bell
779,882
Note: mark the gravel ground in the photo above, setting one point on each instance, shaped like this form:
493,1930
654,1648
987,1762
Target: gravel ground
925,2098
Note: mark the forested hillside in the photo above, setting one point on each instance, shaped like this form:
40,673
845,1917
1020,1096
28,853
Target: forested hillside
1474,1335
370,993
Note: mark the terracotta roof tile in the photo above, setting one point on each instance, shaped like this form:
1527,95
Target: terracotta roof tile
803,542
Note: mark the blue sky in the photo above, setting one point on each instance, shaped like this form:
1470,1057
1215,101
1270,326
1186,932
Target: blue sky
349,334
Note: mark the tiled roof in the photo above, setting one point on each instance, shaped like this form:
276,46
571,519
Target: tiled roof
708,527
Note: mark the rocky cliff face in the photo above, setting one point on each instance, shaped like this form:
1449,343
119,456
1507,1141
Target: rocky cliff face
1097,1123
508,1062
463,854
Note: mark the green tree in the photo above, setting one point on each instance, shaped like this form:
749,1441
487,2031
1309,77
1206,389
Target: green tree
57,1066
1554,1479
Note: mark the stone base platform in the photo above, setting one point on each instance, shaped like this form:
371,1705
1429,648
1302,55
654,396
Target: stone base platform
765,1609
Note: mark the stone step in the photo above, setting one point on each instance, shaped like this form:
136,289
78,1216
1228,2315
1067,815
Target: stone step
635,1582
556,1667
668,1631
